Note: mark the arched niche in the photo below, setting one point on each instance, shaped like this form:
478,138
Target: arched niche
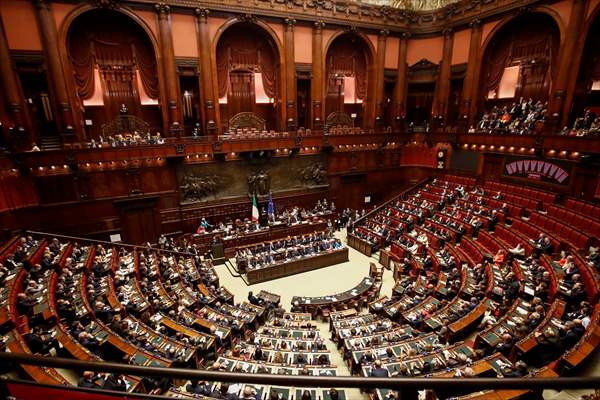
248,66
587,89
113,63
519,61
348,74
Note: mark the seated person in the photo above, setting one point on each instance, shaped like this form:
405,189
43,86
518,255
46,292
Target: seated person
378,371
87,381
518,251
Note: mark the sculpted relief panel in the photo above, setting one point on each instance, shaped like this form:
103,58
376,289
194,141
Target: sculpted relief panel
244,178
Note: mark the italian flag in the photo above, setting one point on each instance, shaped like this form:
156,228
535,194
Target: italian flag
254,209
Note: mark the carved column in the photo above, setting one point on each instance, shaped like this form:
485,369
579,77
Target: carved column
10,87
380,78
468,107
318,72
557,107
208,95
401,83
440,104
56,76
290,74
169,69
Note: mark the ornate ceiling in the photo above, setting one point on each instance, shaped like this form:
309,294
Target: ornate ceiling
417,5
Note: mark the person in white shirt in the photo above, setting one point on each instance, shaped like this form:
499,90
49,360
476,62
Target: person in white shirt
518,250
413,249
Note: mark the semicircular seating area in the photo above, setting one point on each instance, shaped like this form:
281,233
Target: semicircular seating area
486,283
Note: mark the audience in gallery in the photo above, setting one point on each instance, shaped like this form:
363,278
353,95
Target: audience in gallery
126,139
586,125
520,118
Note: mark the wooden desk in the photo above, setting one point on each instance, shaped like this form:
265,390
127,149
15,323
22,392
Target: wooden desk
297,266
269,297
461,324
203,341
360,244
386,258
273,232
251,308
50,376
349,295
509,394
205,325
529,342
8,294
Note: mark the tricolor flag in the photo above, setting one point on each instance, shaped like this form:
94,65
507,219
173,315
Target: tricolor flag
270,207
254,209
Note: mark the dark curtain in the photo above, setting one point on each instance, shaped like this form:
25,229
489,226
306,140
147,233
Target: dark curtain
531,42
117,46
345,57
120,87
242,47
496,64
241,93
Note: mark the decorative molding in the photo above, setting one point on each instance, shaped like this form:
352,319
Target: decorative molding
202,14
289,23
112,4
522,10
250,18
361,14
352,28
383,33
319,25
162,9
187,65
28,57
476,23
423,64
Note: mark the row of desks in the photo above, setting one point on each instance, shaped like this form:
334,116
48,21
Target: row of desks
274,232
300,265
359,290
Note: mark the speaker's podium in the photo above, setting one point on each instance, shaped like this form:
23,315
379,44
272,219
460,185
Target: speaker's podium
218,253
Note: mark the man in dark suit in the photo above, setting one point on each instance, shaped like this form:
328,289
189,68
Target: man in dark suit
87,381
115,382
195,387
253,299
24,304
39,343
506,345
378,371
334,394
